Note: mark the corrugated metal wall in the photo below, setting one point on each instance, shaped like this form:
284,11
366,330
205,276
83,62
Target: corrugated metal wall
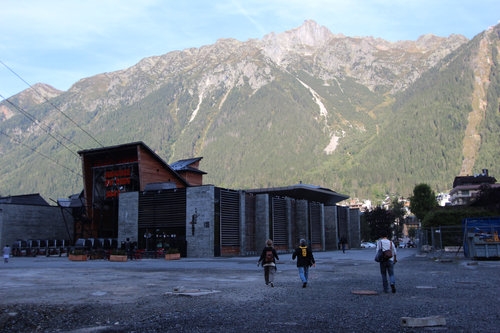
230,218
250,247
162,220
163,209
279,224
315,223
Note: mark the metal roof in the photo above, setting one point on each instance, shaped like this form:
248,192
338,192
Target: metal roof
185,165
304,192
73,201
25,199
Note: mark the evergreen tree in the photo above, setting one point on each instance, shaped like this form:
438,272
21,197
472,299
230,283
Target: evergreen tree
380,220
422,201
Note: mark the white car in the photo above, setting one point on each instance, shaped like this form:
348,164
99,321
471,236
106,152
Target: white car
368,245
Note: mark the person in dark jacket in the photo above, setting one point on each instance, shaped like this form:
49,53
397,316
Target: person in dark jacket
268,259
305,259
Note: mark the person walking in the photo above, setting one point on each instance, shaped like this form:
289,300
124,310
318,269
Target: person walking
6,254
129,249
343,242
305,259
387,264
268,259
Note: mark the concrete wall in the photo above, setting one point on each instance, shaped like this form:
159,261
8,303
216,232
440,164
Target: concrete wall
331,235
200,208
34,222
261,220
301,221
354,228
343,223
200,203
128,217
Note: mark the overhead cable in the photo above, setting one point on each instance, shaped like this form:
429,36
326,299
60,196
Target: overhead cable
39,123
36,151
54,106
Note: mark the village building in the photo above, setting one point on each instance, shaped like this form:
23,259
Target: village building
466,189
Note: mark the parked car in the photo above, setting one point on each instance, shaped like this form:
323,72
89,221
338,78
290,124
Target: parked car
410,244
368,245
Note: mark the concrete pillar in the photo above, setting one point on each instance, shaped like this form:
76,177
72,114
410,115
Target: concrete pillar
343,223
302,221
354,228
291,244
261,220
322,219
128,217
200,209
243,238
331,234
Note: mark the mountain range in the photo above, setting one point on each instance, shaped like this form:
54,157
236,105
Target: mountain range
359,115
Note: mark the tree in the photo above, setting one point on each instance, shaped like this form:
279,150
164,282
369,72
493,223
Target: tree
422,201
379,220
365,229
397,208
412,233
489,198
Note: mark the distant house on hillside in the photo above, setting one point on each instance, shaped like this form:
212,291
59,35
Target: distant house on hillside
466,189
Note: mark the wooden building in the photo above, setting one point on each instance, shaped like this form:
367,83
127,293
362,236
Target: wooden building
109,171
130,192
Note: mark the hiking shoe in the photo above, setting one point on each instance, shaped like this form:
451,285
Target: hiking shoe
304,284
272,284
393,288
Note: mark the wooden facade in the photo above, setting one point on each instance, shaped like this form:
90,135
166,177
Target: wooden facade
109,171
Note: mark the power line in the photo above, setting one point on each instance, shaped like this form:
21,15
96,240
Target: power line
36,151
39,123
54,106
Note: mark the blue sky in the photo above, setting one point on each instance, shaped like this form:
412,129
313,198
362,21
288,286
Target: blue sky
59,42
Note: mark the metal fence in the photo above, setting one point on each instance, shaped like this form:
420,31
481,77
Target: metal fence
448,239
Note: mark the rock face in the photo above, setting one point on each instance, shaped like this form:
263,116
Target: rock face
371,62
293,105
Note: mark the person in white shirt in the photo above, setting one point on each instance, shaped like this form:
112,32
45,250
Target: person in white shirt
6,254
387,265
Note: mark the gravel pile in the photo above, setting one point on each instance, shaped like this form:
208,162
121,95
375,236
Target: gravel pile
465,293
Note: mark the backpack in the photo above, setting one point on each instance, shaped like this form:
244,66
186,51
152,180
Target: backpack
304,251
388,253
269,256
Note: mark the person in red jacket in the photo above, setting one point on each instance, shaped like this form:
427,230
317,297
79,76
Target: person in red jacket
305,259
268,259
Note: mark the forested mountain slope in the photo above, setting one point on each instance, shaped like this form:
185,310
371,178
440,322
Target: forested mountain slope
362,116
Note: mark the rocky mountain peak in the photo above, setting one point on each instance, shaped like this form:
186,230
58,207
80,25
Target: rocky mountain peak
38,93
308,34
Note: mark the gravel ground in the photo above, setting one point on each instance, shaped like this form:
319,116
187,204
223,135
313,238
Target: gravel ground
229,295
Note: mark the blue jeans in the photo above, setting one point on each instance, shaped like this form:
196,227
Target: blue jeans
304,273
387,268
